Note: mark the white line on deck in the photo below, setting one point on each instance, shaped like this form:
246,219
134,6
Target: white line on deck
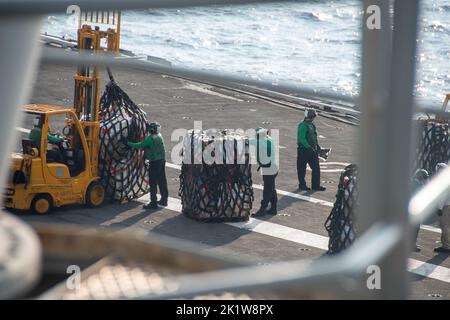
303,197
420,268
299,196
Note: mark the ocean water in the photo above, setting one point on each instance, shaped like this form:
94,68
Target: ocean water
315,44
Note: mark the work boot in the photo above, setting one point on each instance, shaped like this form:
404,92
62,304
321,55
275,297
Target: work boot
303,188
163,202
272,211
151,205
441,250
261,211
319,188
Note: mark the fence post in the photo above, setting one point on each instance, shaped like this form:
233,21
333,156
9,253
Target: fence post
385,135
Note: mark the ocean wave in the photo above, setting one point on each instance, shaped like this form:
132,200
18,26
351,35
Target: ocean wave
312,16
438,27
314,43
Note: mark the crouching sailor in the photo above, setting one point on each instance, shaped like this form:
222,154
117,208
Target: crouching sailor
265,155
154,152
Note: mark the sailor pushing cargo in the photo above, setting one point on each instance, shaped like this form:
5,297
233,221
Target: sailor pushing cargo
154,152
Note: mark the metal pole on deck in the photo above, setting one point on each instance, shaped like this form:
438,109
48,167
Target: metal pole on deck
19,55
385,135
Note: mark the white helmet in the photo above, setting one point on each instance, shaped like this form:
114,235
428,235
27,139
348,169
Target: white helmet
310,113
440,166
37,121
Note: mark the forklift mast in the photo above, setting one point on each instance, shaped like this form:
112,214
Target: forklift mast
98,32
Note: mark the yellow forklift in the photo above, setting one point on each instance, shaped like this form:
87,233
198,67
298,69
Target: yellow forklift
58,164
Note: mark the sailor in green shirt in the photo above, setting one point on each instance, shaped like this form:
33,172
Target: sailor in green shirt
154,152
308,152
36,136
267,161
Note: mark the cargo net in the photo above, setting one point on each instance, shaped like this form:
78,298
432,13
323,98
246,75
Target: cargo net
122,170
433,146
211,191
340,222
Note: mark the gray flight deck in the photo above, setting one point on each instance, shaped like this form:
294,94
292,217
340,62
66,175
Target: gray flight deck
177,103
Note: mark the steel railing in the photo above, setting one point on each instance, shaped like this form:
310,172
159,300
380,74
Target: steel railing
385,144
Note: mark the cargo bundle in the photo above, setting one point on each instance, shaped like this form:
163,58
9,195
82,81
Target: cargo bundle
123,172
216,179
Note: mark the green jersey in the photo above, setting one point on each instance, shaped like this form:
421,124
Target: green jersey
307,135
36,136
153,146
265,152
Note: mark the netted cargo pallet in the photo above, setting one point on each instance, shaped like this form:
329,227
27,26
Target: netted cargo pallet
220,190
122,170
340,223
433,146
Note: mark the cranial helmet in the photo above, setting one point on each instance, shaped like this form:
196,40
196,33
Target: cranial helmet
261,130
310,113
440,166
37,121
154,127
421,174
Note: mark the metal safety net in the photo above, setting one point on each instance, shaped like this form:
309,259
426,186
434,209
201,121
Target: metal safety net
340,223
122,170
433,146
217,187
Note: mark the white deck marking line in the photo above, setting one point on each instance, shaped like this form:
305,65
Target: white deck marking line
429,270
283,232
303,197
298,196
285,193
275,230
430,228
281,192
23,130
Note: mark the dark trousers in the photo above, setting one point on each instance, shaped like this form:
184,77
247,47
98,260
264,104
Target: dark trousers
304,157
416,235
157,177
54,156
269,192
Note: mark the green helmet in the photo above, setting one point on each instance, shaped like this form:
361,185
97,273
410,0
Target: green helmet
154,127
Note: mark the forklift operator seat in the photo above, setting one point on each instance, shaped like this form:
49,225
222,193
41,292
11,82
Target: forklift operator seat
28,145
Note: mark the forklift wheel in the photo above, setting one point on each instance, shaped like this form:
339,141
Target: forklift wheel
41,204
95,195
